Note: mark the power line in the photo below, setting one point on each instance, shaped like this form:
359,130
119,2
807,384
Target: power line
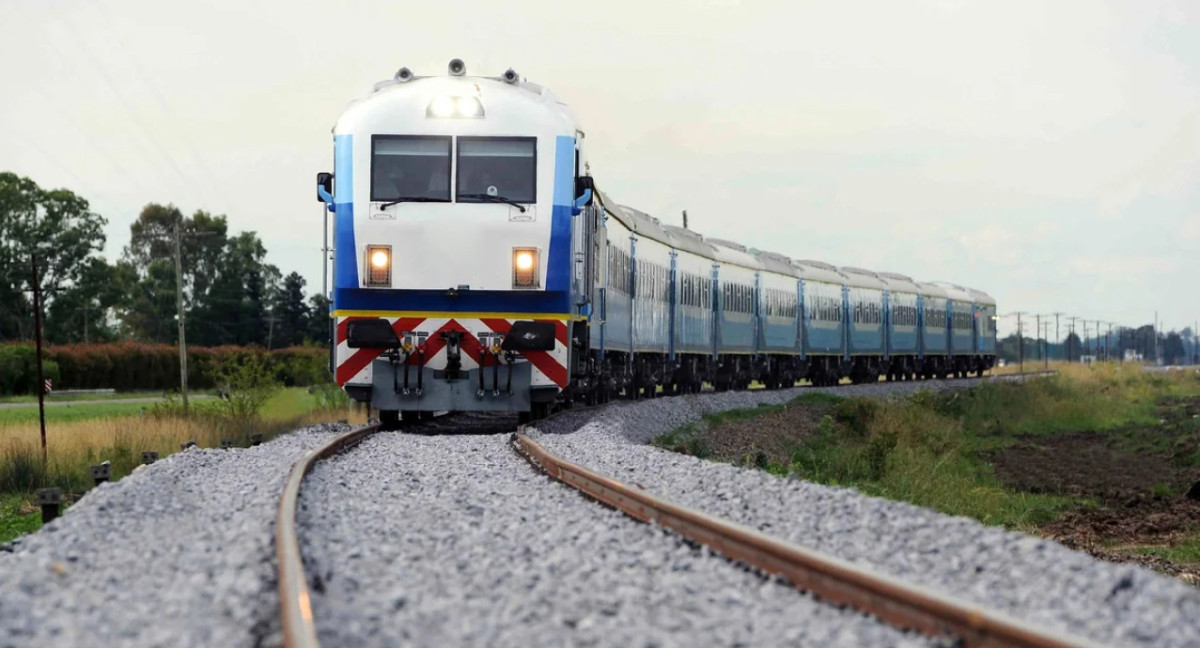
97,62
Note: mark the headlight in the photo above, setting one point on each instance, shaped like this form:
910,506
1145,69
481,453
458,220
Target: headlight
525,268
447,107
379,265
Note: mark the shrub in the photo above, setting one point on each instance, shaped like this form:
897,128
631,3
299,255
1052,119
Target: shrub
18,369
246,385
128,366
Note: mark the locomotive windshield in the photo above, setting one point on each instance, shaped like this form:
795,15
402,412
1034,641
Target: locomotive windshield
500,167
410,168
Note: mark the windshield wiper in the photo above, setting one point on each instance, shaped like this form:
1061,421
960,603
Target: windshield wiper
410,199
490,198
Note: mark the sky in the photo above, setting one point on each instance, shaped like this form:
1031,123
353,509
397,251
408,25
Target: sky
1047,153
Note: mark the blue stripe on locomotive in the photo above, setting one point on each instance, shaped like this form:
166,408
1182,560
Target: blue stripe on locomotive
345,266
558,259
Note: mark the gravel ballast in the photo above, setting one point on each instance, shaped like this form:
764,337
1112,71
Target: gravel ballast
1026,577
180,553
456,540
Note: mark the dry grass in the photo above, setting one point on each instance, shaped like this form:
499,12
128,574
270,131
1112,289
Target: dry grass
75,446
1031,366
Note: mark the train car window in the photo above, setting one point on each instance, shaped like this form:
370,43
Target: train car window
410,167
504,167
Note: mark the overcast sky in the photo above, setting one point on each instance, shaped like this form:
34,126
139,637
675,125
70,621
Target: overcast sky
1046,152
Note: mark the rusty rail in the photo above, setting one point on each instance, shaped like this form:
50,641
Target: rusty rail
298,628
903,605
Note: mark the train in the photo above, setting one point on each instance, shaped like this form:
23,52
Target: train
478,266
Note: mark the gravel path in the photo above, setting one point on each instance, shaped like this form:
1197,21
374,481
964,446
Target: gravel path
455,540
1029,578
180,553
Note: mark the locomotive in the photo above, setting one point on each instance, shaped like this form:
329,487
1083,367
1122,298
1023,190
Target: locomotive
478,267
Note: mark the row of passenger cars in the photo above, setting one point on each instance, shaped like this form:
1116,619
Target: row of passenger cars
478,267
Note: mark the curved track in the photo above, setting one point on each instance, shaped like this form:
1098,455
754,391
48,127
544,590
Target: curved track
904,606
298,628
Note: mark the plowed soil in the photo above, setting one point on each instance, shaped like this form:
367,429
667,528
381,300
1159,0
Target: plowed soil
1141,480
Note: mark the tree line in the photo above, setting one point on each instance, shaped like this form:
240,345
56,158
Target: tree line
1174,347
231,294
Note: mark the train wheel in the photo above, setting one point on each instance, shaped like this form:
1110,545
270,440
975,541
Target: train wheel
389,419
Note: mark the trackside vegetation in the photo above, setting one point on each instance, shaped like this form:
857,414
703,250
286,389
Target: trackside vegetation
253,402
964,452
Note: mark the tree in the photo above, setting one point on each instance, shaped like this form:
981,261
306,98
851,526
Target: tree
202,242
150,311
84,312
1074,347
1172,349
66,235
235,309
318,322
290,315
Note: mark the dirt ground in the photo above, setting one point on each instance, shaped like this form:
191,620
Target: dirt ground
1141,480
775,434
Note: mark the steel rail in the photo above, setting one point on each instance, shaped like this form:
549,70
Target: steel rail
903,605
298,628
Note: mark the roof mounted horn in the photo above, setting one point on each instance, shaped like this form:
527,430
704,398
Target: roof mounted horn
404,75
457,67
511,76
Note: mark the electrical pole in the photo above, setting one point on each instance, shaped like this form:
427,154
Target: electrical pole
1038,341
179,307
1069,335
1056,337
1046,355
37,333
1155,332
1020,345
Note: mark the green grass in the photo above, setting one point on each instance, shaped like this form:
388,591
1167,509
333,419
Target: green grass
930,449
69,413
116,396
18,516
1187,552
284,404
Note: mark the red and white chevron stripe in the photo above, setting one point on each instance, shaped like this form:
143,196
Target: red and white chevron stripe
354,365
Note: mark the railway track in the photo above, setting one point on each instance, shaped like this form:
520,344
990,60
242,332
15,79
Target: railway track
899,604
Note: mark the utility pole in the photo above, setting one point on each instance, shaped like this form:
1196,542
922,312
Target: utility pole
37,333
1056,338
179,307
1039,333
1046,355
1155,332
1020,344
1069,335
